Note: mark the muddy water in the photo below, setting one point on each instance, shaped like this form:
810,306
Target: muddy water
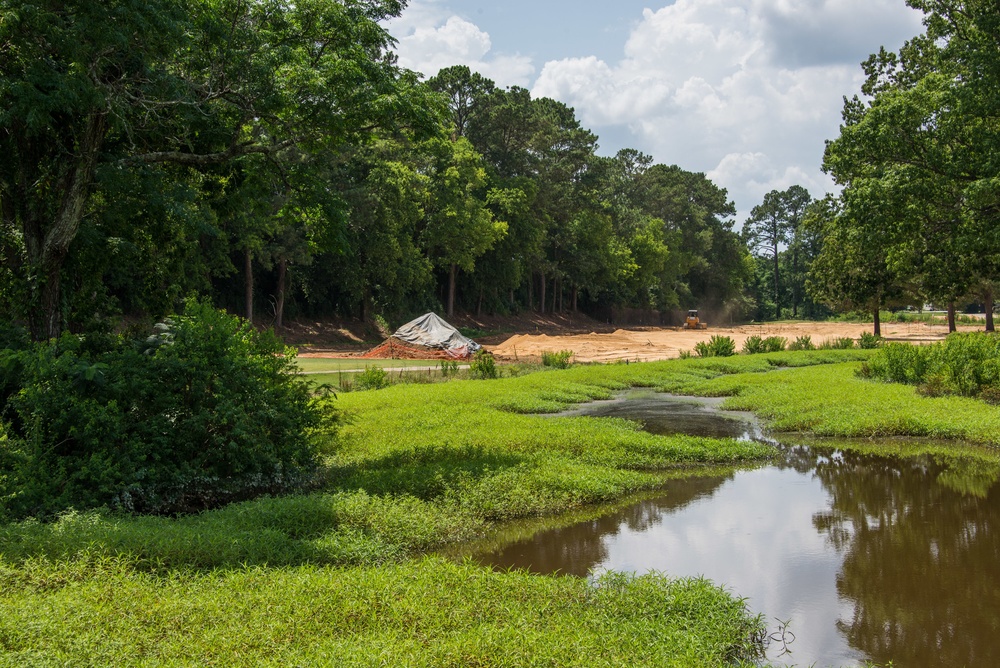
866,557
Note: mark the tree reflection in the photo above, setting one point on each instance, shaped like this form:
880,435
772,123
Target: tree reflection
578,549
920,552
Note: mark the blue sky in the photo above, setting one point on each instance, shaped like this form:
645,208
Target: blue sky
746,91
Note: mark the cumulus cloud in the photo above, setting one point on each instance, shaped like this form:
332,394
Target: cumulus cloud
745,90
431,38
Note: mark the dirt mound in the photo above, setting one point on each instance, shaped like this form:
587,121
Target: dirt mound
397,350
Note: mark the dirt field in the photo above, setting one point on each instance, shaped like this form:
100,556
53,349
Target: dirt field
647,344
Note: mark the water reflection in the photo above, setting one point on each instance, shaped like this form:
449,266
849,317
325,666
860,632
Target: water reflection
665,414
871,557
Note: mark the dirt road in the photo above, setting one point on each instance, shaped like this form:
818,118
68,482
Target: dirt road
656,344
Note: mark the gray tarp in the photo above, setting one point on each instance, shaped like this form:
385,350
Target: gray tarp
430,331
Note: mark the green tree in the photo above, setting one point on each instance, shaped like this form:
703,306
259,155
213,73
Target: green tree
770,225
459,227
852,270
84,85
925,137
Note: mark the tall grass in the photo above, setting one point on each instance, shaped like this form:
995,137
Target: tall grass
966,364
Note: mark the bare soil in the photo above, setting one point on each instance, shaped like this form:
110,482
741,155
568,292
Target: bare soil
525,337
647,344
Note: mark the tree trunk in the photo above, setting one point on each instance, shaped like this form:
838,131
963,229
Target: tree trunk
878,321
479,304
48,246
542,300
576,291
279,316
248,283
452,279
951,317
988,307
777,295
531,291
795,281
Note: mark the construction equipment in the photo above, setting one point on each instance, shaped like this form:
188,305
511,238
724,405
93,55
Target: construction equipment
693,322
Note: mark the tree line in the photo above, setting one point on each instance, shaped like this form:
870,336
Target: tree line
273,157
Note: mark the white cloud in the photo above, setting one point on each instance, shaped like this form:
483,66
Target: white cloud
746,90
430,38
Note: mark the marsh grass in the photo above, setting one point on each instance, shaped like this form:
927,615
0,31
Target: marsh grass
335,577
429,612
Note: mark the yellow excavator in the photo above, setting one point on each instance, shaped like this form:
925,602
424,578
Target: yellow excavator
693,322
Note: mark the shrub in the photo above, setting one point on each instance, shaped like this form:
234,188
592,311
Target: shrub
802,343
483,366
869,341
372,378
967,364
449,368
204,412
753,345
841,343
717,346
559,360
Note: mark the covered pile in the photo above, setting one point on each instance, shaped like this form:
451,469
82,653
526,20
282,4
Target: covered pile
427,337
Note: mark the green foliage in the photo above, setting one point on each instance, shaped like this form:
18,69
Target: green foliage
426,613
838,343
372,378
967,364
753,345
717,346
869,341
483,366
449,368
558,360
205,412
802,343
772,344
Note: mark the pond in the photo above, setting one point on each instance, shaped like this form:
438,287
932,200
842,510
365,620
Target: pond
864,556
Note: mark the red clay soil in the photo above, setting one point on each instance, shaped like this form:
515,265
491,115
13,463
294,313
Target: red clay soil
392,349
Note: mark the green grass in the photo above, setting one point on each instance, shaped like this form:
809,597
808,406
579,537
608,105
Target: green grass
832,401
337,577
424,613
333,365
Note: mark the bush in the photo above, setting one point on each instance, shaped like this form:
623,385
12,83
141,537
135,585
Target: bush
967,364
372,378
559,360
753,345
842,343
772,344
449,368
204,412
802,343
869,341
483,366
717,346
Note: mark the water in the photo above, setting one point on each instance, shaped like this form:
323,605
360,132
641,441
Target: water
867,557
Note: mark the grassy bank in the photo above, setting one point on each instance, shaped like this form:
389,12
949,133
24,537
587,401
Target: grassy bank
337,577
